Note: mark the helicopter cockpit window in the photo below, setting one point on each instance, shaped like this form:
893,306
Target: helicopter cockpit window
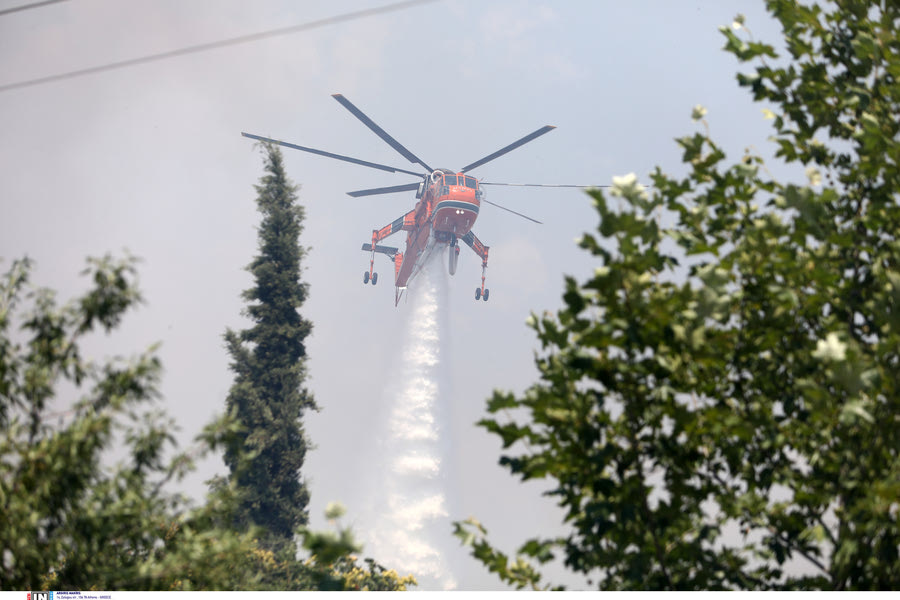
470,182
449,179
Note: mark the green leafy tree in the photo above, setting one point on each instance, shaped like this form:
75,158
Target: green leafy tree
719,401
68,521
268,360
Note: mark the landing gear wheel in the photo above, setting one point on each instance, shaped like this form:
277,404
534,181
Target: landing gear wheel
374,278
478,293
365,277
486,292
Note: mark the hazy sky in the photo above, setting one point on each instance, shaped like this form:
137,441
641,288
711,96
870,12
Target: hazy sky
150,159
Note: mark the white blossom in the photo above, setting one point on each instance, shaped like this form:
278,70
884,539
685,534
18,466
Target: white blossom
627,185
814,176
830,349
334,510
698,112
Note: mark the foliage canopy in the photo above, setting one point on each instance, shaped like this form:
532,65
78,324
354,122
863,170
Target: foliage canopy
73,521
718,402
70,520
268,360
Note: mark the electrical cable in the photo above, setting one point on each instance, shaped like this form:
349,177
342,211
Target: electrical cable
253,37
7,11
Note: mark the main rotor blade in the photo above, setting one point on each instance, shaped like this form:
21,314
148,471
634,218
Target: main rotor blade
553,185
384,190
349,159
513,146
380,132
510,210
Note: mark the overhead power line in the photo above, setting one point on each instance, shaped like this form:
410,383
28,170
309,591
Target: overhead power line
7,11
253,37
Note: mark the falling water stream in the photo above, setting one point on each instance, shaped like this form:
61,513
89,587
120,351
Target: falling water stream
410,494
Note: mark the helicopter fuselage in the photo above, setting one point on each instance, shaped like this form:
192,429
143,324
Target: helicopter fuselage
455,199
447,209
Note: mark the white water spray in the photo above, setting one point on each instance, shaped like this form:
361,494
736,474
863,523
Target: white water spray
409,497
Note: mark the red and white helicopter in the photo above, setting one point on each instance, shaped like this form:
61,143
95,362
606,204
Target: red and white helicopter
447,207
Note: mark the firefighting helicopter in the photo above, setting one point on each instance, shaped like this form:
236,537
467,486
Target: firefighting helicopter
447,206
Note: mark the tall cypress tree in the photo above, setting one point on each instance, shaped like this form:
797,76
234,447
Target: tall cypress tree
268,360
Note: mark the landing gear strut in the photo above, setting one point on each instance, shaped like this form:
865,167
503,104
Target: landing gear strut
481,250
482,292
371,275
